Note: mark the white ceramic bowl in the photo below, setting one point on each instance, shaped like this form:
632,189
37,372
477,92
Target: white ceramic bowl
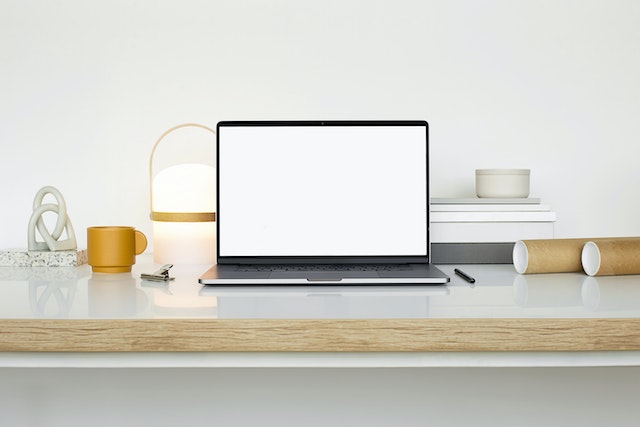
502,183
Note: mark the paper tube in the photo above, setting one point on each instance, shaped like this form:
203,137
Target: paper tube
548,255
611,257
554,255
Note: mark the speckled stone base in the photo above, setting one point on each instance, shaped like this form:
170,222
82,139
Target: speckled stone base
24,258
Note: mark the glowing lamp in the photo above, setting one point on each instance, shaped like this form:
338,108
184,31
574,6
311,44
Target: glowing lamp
183,196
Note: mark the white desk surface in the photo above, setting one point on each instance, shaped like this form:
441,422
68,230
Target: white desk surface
375,324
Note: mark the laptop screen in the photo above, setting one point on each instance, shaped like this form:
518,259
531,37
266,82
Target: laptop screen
322,189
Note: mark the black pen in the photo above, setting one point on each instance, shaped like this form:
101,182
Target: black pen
464,275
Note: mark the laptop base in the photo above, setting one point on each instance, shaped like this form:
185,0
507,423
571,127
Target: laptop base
405,274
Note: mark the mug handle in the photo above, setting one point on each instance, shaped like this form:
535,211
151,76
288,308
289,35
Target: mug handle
141,242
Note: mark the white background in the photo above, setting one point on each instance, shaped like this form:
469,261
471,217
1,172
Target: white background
86,88
322,191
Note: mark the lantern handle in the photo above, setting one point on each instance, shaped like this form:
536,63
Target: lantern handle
174,216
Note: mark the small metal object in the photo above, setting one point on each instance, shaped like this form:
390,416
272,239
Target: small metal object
162,275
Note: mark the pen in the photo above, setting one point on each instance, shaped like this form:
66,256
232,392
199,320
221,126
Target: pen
464,275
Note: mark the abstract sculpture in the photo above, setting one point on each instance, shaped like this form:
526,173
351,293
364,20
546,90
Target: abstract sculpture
52,240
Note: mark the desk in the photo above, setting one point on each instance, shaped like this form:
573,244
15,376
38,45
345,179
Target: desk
507,347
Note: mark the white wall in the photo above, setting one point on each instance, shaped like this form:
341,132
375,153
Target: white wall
86,87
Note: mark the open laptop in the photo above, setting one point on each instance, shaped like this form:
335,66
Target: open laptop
323,203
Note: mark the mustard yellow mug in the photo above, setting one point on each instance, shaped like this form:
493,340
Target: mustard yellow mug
113,249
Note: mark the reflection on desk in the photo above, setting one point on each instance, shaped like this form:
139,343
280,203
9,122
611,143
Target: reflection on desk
499,292
324,302
619,293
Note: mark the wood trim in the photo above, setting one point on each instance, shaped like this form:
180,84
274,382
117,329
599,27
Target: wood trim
375,335
183,216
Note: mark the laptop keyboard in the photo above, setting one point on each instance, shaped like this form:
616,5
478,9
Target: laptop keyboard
324,267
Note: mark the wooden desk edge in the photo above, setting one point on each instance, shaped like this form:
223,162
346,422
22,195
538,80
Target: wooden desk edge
291,335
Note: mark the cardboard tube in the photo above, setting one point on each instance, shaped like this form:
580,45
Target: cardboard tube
556,255
611,257
548,255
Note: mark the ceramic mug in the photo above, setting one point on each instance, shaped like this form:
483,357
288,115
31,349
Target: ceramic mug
113,249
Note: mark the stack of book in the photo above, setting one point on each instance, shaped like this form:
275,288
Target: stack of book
483,230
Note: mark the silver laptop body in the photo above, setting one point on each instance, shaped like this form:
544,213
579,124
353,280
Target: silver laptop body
322,203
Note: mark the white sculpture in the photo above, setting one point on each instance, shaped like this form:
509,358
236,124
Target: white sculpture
63,223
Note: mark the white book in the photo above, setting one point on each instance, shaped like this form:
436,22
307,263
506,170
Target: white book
543,216
489,232
489,208
483,201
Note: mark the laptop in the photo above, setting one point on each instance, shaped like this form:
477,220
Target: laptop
323,203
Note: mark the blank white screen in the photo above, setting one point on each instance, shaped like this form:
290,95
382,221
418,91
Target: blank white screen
322,190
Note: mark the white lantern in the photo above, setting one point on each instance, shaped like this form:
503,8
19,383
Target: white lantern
183,196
